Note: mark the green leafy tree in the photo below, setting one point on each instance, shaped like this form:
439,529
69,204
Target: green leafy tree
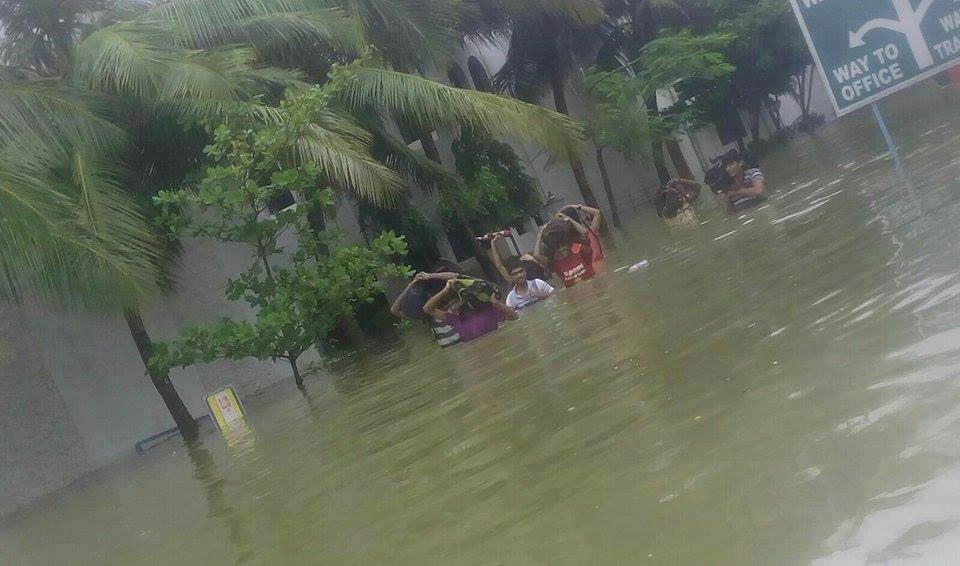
79,98
300,295
768,52
621,120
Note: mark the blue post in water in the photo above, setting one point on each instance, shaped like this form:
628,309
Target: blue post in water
892,147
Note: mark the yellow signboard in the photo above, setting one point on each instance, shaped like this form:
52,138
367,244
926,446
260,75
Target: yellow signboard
226,410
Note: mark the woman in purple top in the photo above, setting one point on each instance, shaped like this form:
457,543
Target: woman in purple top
470,324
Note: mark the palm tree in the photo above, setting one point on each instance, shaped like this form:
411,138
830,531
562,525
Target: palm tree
546,40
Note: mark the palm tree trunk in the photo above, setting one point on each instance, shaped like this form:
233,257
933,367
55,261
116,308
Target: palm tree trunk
181,416
489,270
560,101
607,189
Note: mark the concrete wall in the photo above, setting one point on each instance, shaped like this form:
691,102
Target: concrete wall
74,395
40,448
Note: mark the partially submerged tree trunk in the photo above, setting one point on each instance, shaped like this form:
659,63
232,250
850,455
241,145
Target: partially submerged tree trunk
656,148
659,163
181,416
607,188
296,374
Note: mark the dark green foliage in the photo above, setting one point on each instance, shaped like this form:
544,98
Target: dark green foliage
767,52
496,192
412,225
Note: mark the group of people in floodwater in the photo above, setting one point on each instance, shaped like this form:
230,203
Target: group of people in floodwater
460,308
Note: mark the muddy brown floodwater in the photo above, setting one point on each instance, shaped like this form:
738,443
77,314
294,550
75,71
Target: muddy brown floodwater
778,387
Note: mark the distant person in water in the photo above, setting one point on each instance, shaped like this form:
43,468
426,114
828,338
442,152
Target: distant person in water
525,291
674,202
747,187
533,268
471,306
409,304
564,246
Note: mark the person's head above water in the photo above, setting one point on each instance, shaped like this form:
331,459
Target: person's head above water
518,273
733,163
670,202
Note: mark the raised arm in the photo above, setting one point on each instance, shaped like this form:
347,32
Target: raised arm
580,228
537,252
442,276
432,307
596,219
497,261
396,309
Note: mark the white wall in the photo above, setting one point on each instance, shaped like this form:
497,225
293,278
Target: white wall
40,447
74,394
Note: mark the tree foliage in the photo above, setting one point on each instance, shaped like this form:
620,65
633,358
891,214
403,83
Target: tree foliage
496,191
298,294
767,51
620,118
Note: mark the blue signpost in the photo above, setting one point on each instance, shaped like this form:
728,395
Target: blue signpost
868,49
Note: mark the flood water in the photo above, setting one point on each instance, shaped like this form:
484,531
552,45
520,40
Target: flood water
781,387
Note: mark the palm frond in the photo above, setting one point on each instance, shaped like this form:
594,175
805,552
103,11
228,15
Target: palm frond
260,23
429,105
302,29
52,114
427,173
409,33
215,111
127,58
347,164
69,231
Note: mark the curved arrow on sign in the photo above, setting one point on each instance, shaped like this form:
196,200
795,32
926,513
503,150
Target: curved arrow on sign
908,25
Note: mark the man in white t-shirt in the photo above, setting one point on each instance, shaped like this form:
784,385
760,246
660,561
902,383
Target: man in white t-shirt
525,293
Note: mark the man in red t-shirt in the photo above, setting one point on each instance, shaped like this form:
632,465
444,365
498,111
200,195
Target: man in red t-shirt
568,253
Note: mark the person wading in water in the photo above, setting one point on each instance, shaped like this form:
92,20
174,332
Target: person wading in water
525,291
748,187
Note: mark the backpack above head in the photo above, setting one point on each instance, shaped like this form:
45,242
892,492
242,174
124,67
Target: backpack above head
559,233
669,202
474,294
717,179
